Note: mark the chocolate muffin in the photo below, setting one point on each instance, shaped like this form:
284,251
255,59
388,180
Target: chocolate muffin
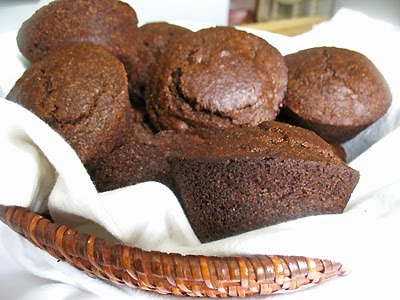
247,178
110,23
154,39
138,125
339,151
82,93
216,77
335,92
142,157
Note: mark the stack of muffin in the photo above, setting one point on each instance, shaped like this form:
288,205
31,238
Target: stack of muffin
197,111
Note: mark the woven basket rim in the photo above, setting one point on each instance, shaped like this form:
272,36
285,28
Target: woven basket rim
169,273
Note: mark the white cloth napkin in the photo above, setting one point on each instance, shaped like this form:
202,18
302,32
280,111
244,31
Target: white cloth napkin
39,170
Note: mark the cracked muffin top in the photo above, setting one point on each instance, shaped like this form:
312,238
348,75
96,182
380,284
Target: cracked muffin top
216,77
82,93
154,39
334,87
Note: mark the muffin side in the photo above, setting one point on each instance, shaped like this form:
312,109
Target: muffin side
248,178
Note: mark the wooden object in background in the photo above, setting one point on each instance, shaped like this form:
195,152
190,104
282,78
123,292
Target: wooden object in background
272,9
290,27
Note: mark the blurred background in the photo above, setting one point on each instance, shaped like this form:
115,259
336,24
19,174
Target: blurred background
291,17
288,17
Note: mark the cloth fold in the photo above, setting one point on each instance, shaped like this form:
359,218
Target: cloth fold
40,170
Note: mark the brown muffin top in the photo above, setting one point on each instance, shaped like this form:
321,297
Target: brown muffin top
335,86
216,77
110,23
153,39
269,139
81,92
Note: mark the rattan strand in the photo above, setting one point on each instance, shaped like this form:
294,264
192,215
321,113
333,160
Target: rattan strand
169,273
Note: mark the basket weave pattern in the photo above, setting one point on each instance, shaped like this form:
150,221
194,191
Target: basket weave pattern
169,273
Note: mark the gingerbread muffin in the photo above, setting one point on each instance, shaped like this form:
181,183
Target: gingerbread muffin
247,178
110,23
216,77
339,151
154,39
138,125
142,157
82,93
335,92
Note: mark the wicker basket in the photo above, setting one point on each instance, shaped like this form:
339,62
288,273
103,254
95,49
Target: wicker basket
169,273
